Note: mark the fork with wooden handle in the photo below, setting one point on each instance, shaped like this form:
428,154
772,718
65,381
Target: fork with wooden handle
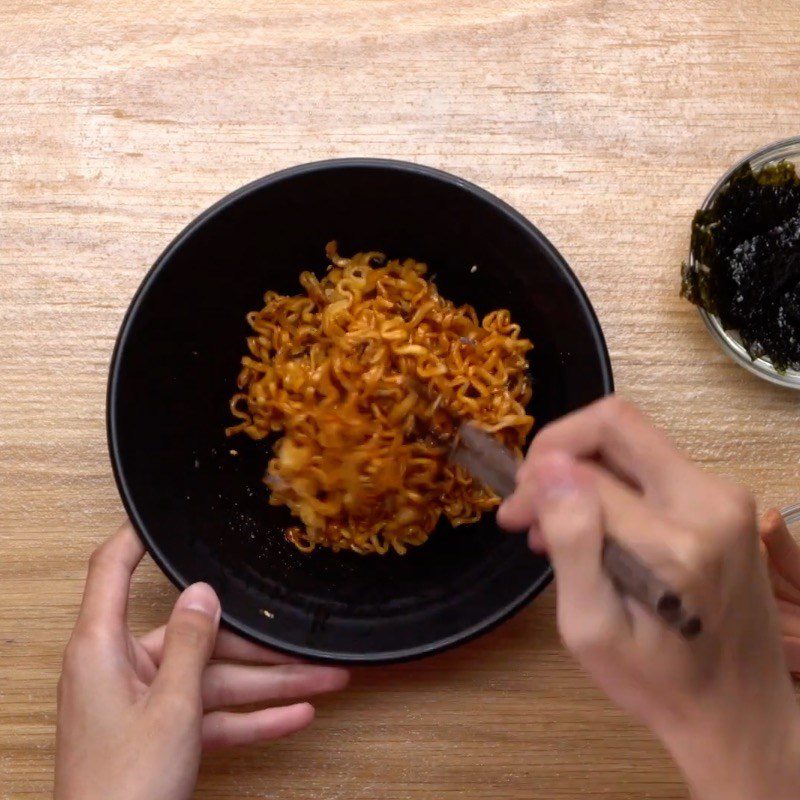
489,461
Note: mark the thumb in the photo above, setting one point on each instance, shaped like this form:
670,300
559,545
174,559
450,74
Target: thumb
569,516
188,642
570,519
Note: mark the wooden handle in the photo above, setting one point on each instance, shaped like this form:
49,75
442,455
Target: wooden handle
494,465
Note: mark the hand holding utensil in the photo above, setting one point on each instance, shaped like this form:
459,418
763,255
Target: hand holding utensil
489,461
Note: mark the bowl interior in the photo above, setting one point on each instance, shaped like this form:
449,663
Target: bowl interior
198,498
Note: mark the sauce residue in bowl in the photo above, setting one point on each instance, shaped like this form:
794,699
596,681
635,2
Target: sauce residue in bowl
745,265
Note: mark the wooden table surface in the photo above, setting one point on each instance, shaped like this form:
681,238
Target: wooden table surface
604,122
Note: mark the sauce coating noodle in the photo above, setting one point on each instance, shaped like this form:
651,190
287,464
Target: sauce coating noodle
338,369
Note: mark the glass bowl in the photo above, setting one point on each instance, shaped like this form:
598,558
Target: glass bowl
785,150
791,515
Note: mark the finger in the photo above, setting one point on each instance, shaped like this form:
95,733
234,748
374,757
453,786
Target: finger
188,643
536,541
621,437
228,646
636,523
590,612
518,512
237,684
789,618
105,598
228,729
791,648
671,552
783,550
782,589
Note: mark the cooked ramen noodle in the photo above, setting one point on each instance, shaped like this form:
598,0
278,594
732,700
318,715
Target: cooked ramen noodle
364,374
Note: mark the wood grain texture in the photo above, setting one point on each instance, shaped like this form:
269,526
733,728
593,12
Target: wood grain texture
604,122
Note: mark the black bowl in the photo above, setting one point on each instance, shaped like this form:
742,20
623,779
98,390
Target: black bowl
202,510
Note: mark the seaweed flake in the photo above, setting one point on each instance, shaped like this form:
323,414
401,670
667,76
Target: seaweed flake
746,269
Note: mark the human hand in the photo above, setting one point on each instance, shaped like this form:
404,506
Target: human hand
722,703
783,560
135,714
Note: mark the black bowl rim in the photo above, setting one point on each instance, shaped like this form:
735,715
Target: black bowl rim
174,575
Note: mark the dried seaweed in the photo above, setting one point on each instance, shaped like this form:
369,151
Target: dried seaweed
746,269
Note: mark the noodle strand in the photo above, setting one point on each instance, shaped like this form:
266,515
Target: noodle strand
362,461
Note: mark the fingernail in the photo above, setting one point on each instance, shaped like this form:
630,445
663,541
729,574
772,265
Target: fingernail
200,597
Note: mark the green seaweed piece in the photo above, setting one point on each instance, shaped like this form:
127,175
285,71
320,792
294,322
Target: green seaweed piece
746,261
